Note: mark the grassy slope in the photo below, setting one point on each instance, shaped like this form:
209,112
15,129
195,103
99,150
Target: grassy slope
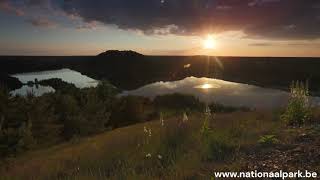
113,154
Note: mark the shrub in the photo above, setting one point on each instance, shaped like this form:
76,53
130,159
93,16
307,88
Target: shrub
41,117
227,109
15,140
106,91
59,85
34,122
129,110
179,102
94,112
15,127
298,110
218,147
4,98
268,140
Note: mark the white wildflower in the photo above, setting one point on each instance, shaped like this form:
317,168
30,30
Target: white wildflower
161,119
187,66
159,156
148,155
207,111
185,117
145,129
150,133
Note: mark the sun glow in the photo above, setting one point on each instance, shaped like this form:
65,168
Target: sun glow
206,86
209,43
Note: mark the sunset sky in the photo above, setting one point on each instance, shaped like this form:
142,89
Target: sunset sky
160,27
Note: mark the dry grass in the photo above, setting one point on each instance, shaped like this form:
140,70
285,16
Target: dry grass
120,153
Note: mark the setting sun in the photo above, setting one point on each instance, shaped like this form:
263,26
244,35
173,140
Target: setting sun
209,43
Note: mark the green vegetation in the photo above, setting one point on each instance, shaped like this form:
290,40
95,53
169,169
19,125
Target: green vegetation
32,122
268,140
59,85
215,146
298,111
29,123
66,135
219,148
131,110
178,103
176,149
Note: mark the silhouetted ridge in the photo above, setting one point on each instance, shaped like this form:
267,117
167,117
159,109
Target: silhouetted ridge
120,53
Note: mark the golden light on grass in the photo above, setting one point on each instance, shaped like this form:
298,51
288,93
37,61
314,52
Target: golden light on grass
209,43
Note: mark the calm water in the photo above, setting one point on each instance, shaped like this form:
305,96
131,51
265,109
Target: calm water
224,92
206,89
35,90
67,75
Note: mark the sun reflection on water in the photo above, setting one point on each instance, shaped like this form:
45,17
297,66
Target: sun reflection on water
207,86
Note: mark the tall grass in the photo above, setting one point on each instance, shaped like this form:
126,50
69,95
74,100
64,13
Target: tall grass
215,146
176,149
298,110
153,154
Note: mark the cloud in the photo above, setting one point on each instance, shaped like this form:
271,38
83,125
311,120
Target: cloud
41,22
36,12
261,2
304,44
275,19
287,43
261,44
223,7
6,6
269,19
88,26
31,7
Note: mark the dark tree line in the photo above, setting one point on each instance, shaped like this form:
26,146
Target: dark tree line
31,122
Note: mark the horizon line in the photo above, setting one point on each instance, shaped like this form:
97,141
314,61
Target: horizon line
152,55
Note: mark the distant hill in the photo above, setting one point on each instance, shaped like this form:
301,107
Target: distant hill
117,53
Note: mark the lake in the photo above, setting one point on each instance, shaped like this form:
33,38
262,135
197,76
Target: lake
219,91
67,75
206,89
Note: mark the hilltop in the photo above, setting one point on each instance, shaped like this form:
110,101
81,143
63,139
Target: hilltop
115,53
